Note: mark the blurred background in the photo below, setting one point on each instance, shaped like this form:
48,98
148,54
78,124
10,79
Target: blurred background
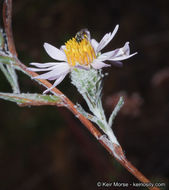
47,148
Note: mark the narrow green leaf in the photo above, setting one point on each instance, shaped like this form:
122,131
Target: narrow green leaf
6,59
13,75
115,111
6,73
30,98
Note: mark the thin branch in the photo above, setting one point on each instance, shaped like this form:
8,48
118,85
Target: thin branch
113,149
7,15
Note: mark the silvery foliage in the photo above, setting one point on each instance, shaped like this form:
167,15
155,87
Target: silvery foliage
89,85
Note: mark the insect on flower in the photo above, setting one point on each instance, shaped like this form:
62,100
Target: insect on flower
84,33
80,52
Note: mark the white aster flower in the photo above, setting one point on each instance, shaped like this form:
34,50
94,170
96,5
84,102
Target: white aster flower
80,52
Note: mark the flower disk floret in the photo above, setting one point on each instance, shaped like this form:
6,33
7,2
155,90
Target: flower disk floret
84,54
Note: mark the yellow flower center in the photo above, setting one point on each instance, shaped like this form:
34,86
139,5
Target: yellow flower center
79,52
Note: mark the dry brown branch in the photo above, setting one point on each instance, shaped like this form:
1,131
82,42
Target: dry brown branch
7,14
117,151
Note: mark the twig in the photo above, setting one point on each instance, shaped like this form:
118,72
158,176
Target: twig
113,149
7,19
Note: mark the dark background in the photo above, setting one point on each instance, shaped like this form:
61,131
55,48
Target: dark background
47,148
